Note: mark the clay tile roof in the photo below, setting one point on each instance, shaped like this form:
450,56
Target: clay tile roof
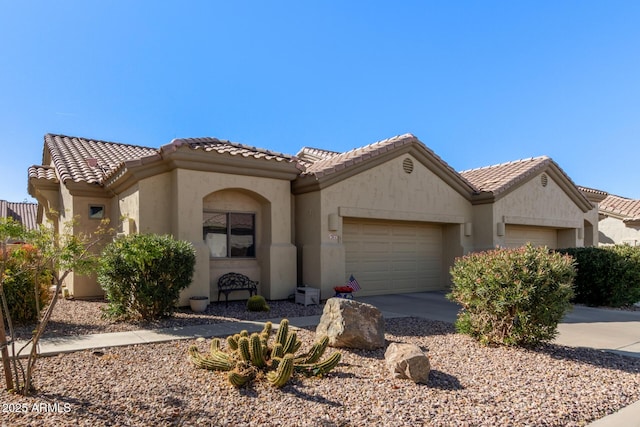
628,208
81,159
592,191
498,178
24,213
43,172
330,164
228,147
312,155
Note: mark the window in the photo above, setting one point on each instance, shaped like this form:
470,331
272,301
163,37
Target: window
230,234
96,211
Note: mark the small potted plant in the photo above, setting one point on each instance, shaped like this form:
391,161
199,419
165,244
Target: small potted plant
198,304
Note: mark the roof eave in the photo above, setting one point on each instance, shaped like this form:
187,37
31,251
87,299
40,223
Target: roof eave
554,172
85,189
184,157
314,182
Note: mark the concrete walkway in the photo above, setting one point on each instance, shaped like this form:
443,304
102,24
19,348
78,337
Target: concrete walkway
608,330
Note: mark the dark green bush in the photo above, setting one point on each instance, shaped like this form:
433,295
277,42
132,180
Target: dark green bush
512,296
143,274
606,276
20,286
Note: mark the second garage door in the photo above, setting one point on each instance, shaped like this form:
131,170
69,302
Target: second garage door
393,256
520,235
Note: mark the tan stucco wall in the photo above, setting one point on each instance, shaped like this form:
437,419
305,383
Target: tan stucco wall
276,256
383,192
84,286
614,231
535,205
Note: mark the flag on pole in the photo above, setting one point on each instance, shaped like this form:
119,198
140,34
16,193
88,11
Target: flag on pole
353,283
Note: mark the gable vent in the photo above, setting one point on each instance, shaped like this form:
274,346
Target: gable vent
544,180
407,165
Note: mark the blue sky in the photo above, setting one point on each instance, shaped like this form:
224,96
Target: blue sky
479,82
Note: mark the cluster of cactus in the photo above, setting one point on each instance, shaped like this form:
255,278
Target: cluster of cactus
250,356
257,303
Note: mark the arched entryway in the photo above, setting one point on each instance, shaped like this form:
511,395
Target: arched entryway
236,228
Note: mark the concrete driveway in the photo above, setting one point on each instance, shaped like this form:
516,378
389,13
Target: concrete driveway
605,329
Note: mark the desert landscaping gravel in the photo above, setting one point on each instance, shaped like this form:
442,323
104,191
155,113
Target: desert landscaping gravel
469,385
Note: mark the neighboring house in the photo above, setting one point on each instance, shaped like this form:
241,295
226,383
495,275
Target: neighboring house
619,220
530,200
23,212
392,213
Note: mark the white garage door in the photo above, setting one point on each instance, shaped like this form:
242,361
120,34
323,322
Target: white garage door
393,256
520,235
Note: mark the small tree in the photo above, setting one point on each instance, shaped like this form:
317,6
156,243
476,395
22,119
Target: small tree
60,253
9,230
512,296
143,274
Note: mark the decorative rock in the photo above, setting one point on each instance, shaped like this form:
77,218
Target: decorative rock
407,361
352,324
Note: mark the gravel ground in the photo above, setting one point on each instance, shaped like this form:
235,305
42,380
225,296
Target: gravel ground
82,317
469,385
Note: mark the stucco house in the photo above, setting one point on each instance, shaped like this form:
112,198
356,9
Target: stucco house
392,213
619,220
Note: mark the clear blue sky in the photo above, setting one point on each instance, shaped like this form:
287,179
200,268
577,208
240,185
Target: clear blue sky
479,82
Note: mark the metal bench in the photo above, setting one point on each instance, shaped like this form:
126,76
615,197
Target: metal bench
230,282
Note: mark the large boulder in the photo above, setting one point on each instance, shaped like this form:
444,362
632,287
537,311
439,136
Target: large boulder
352,324
407,361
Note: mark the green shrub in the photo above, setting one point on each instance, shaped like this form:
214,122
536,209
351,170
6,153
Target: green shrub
20,286
607,276
257,303
143,274
512,296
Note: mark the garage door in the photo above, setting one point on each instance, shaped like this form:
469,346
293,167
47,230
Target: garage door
520,235
393,256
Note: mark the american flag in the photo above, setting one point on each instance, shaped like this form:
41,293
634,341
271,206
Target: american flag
353,283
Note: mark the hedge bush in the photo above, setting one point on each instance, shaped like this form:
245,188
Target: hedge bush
606,276
143,274
20,285
512,296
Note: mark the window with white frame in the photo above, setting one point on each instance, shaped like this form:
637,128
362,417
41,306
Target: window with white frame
230,234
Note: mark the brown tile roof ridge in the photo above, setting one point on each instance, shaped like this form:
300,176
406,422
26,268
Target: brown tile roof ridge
500,177
340,161
89,160
227,147
623,206
592,190
312,155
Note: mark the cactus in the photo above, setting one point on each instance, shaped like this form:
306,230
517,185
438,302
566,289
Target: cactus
268,327
280,376
243,349
257,352
215,346
232,342
321,368
218,362
316,352
283,331
257,303
277,350
290,343
248,357
238,379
